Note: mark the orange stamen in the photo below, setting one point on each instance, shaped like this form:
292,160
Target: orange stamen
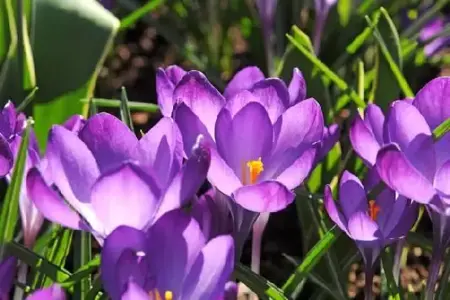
374,209
251,171
168,295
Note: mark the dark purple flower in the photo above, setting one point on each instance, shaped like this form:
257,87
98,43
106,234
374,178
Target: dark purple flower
322,7
260,147
54,292
107,175
372,224
8,269
173,260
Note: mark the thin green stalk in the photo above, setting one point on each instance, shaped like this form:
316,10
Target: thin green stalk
132,105
81,257
424,18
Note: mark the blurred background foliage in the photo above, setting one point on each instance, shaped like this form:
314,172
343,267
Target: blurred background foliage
56,55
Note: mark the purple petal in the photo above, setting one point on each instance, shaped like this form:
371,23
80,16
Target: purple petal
134,292
6,157
164,90
231,291
333,212
190,178
161,149
238,101
297,87
331,136
191,127
408,128
109,139
272,93
176,241
8,269
352,195
49,203
75,123
363,141
248,137
201,97
221,176
243,80
441,180
54,292
121,239
400,175
362,228
267,196
301,124
8,119
74,172
211,270
407,220
374,120
125,196
175,73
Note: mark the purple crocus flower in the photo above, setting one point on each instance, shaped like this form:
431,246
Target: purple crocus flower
112,175
8,268
371,224
172,260
322,8
53,292
166,80
431,29
257,141
267,9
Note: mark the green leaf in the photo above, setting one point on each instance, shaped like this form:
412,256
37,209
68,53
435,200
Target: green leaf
10,208
132,18
388,258
441,130
258,284
132,105
82,256
83,272
396,45
125,110
344,8
310,260
8,43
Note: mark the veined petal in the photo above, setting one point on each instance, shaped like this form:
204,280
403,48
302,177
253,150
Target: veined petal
398,173
75,123
211,270
221,176
332,210
238,101
6,157
272,93
109,139
134,292
243,80
164,90
352,195
125,196
374,120
297,87
175,73
267,196
49,203
363,141
442,179
54,292
201,97
362,228
8,119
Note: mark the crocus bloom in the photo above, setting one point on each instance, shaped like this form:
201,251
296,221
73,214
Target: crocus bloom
54,292
372,224
260,147
172,260
267,9
431,29
8,269
322,7
107,175
166,80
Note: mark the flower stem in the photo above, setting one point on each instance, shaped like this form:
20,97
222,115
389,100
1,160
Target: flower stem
22,278
368,294
433,273
258,230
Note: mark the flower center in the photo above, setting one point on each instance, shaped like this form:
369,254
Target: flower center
251,171
168,295
374,209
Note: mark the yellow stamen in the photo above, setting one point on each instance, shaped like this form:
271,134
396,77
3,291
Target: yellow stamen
374,209
251,171
168,295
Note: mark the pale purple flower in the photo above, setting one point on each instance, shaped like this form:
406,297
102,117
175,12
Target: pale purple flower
53,292
166,80
111,178
172,257
431,29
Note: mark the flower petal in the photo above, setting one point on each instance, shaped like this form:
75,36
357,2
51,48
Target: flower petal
332,210
176,240
6,157
8,268
109,139
125,196
352,195
374,120
362,228
201,97
408,128
135,292
75,123
272,93
301,124
188,180
54,292
221,176
8,118
49,203
267,196
398,173
190,127
164,90
211,270
331,136
243,80
297,87
238,101
441,180
363,141
250,137
161,150
175,73
121,239
433,101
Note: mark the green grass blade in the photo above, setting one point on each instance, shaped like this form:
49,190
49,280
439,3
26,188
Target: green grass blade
132,18
10,208
395,37
418,24
387,259
132,105
83,272
82,256
258,284
28,99
441,130
310,260
344,8
125,110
